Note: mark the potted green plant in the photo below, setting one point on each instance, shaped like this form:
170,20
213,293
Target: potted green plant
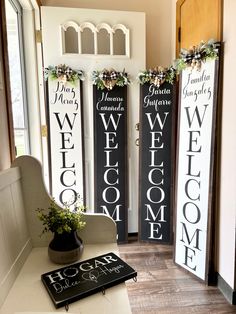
64,222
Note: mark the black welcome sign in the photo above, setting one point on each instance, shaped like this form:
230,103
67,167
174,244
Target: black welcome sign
68,284
110,133
156,141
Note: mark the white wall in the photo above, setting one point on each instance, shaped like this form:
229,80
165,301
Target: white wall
227,215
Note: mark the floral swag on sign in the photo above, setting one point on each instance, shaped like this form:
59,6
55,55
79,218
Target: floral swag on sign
110,78
63,73
192,57
196,55
157,76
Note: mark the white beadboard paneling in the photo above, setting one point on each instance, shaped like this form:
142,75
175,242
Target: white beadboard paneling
15,243
5,259
8,176
11,236
19,212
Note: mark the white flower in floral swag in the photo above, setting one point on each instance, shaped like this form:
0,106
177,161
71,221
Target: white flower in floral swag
63,73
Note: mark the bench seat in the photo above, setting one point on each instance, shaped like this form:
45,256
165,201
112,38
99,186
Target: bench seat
24,256
28,294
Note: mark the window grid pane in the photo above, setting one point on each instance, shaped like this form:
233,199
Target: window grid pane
20,141
16,68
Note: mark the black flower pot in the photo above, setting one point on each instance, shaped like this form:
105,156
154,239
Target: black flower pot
65,248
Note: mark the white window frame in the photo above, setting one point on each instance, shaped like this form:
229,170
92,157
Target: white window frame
16,5
95,30
34,76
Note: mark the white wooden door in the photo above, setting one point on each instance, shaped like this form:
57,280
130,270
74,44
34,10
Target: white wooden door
131,56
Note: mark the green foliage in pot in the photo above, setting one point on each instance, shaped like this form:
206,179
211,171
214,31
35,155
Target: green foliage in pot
62,219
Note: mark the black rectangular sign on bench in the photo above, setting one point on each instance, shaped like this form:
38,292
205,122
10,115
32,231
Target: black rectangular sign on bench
68,284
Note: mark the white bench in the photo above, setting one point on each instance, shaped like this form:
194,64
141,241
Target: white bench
23,254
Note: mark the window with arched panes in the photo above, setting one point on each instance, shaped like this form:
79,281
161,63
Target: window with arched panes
90,39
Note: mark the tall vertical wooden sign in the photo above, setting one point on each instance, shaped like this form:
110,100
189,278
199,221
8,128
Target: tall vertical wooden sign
195,160
65,137
110,149
156,141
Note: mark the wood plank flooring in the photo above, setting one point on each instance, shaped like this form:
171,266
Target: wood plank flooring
164,288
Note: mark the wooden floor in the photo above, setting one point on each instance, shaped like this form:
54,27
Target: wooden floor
164,288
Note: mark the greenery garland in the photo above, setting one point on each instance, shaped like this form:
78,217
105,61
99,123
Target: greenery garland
196,55
63,73
157,76
62,219
109,78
